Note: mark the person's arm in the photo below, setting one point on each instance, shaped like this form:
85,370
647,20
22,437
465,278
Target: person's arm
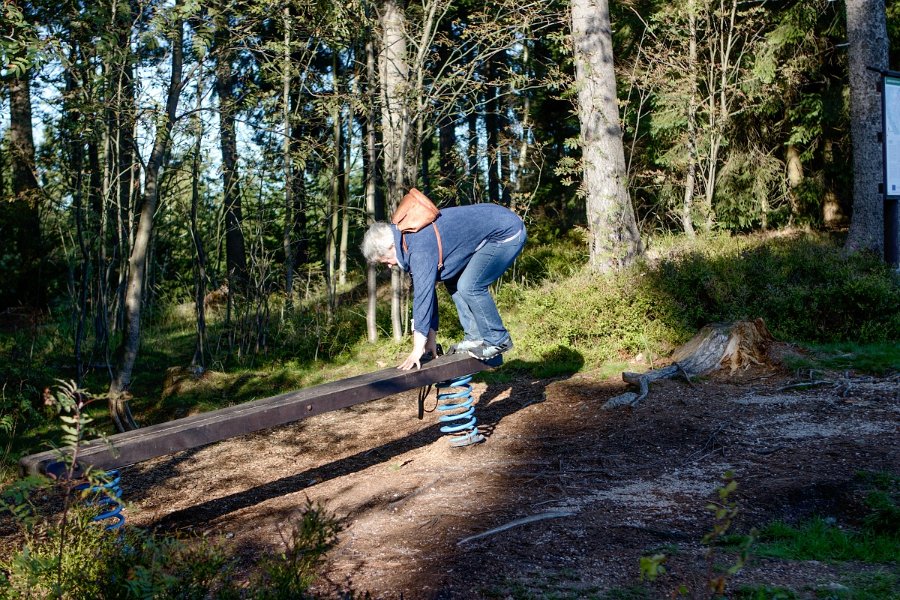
424,272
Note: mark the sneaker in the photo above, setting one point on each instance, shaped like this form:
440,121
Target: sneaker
486,351
465,346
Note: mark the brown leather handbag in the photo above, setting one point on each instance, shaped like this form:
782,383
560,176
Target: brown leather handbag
415,212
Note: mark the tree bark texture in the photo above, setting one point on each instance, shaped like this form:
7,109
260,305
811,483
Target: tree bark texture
337,168
395,125
447,157
300,253
867,35
614,237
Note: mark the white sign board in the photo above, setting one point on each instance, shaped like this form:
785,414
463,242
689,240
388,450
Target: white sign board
892,134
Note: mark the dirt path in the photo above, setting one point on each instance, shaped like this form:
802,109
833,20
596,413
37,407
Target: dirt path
606,487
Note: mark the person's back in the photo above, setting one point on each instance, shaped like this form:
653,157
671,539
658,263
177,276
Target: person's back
463,231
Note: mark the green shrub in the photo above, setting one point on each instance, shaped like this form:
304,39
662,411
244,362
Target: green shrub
290,574
82,560
801,285
62,562
85,561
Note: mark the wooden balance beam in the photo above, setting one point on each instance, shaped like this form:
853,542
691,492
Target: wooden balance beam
142,444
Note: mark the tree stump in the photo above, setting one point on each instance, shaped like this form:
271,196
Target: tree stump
736,345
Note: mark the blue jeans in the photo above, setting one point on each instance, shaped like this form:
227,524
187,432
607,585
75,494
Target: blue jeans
478,313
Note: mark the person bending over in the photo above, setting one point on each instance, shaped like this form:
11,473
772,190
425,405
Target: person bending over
477,243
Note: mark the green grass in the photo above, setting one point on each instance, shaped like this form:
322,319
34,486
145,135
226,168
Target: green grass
882,585
818,539
876,541
879,585
878,358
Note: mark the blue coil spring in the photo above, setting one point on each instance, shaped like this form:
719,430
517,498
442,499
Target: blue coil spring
456,404
107,497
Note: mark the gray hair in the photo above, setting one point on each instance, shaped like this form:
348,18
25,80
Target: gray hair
377,241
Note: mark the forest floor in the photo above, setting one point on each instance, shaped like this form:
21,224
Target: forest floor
603,487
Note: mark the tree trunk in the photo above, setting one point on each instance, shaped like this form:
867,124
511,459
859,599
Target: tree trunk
370,174
287,238
21,226
337,167
21,138
3,196
339,195
473,164
427,149
614,238
300,246
448,177
395,126
690,176
492,128
867,36
522,158
199,359
126,174
345,185
137,263
504,148
72,131
235,251
794,178
127,169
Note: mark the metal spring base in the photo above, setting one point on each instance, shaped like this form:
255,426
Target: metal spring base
456,404
107,495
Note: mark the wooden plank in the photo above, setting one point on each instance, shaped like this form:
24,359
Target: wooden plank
197,430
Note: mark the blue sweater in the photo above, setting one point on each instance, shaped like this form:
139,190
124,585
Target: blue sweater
463,229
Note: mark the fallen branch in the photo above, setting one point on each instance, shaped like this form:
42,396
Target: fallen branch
553,514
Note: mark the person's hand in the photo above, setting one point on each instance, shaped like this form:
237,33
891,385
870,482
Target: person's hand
431,343
413,360
415,357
